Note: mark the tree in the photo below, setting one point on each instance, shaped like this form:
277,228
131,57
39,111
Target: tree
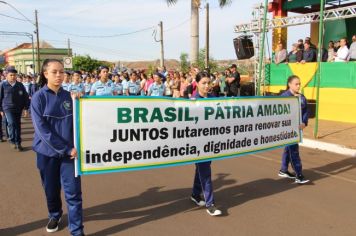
85,63
200,63
151,69
184,63
213,66
194,25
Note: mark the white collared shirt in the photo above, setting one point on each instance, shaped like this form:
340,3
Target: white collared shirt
12,84
342,54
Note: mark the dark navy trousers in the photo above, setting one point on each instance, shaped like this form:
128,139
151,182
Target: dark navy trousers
203,183
57,172
3,126
291,156
14,126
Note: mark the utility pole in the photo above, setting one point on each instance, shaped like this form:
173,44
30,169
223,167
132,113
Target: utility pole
69,52
38,44
207,37
161,40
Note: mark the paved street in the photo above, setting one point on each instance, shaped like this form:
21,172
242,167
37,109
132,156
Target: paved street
254,200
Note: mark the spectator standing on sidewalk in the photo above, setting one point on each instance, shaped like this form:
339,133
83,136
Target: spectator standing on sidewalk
233,82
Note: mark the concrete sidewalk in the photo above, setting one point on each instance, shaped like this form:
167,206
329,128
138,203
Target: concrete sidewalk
337,137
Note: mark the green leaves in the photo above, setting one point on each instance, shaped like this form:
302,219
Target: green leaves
87,63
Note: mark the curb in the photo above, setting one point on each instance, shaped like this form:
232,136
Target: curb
329,147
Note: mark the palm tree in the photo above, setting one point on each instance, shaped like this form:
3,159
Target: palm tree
194,25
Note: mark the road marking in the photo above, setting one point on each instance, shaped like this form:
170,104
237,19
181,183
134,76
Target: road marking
311,169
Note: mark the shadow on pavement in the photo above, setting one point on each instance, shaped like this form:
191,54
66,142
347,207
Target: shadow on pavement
154,204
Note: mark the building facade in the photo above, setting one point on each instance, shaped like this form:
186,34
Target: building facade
24,57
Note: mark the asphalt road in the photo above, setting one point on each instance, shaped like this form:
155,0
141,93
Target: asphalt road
254,200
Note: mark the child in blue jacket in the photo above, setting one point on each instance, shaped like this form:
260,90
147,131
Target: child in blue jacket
52,117
291,152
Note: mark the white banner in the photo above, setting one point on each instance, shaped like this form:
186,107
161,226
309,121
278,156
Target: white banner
132,133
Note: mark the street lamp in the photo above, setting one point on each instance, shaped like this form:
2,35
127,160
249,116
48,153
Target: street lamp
36,31
23,34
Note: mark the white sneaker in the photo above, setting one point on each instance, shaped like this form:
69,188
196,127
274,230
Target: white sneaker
52,225
301,180
197,200
213,211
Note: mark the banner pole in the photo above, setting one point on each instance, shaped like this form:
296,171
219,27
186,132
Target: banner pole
74,100
318,76
262,49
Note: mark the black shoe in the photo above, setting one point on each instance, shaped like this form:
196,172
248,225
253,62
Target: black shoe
286,174
2,140
301,180
213,211
197,200
52,225
19,147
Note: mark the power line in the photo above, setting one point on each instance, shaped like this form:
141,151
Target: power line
106,49
102,50
86,9
14,8
15,18
182,23
177,26
111,52
99,36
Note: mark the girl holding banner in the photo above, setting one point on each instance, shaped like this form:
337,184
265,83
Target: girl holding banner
291,152
202,179
52,117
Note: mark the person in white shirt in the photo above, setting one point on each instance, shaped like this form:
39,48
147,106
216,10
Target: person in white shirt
342,53
352,51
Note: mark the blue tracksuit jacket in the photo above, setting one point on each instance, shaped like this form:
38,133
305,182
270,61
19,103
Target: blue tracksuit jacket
304,105
52,117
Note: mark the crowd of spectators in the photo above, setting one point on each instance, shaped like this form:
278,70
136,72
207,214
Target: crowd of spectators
305,51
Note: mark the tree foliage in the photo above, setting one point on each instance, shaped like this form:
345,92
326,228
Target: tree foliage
213,66
151,69
85,63
184,63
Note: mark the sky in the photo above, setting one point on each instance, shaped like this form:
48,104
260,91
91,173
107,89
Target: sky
82,21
